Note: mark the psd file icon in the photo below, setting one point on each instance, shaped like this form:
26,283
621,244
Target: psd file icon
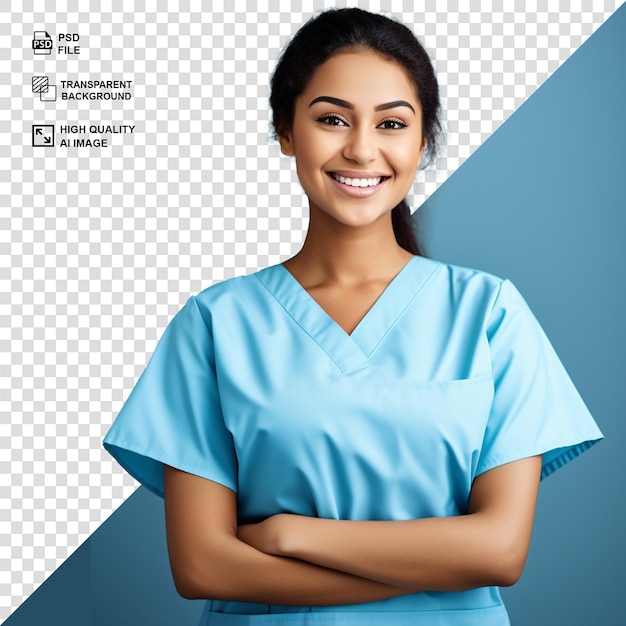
42,42
43,135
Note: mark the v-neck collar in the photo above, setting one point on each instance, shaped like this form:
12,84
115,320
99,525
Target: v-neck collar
349,351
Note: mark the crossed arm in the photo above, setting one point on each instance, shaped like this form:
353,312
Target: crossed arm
298,560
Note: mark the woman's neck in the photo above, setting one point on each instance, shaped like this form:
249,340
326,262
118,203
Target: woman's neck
334,253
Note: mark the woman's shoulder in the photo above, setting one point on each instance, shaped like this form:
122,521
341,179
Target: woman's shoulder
236,291
233,284
470,293
468,274
460,279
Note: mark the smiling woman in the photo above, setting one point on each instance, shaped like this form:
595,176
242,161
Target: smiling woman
356,435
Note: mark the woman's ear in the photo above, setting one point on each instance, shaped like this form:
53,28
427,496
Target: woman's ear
285,139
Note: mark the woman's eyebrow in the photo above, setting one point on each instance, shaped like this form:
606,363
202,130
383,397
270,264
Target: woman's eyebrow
340,103
347,105
393,105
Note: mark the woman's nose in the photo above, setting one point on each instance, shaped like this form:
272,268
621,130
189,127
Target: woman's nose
360,145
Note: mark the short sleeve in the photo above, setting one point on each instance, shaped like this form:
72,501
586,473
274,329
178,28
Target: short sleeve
173,415
536,408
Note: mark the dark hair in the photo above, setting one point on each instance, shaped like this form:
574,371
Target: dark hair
338,29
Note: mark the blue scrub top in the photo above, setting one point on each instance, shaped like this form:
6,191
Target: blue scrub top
447,376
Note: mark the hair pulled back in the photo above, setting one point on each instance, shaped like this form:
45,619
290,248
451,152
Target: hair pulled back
336,30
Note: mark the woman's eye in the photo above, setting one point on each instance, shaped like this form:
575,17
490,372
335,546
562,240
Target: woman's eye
392,124
331,120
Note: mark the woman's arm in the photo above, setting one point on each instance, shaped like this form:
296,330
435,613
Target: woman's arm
488,546
208,560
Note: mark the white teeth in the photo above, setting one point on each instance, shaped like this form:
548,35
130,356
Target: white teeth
357,182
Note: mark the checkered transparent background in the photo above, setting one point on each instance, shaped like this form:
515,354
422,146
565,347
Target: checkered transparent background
100,247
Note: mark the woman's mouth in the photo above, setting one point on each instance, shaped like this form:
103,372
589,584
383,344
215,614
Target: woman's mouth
358,187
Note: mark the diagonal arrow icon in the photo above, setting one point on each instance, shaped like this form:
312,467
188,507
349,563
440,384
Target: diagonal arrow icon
43,135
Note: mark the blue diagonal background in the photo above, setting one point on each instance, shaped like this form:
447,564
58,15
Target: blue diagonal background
542,202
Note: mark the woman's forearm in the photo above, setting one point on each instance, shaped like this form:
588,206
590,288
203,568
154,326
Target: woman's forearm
238,572
447,554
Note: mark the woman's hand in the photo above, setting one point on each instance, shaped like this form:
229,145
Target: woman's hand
267,536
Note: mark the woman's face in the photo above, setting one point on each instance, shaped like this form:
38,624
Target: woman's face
357,137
